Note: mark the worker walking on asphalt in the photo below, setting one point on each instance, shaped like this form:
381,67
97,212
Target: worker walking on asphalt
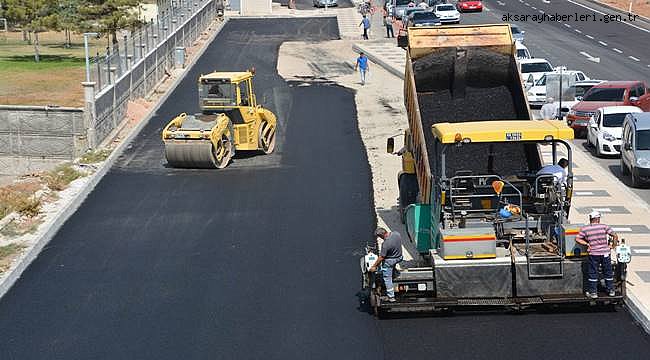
548,110
365,22
595,237
362,65
389,256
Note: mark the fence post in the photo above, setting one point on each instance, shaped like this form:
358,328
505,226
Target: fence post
99,72
90,116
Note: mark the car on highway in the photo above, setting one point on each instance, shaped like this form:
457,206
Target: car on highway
605,129
635,150
517,33
324,3
533,69
469,5
447,13
575,92
608,93
522,51
537,93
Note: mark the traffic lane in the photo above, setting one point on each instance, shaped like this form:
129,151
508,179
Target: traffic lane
563,48
309,4
244,263
612,164
554,335
626,40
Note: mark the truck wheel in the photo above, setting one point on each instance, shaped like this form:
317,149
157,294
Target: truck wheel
408,192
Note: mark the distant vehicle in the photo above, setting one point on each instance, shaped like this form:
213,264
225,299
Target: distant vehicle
517,33
398,7
605,129
469,5
522,51
635,151
423,18
323,3
537,93
533,69
447,13
577,91
608,93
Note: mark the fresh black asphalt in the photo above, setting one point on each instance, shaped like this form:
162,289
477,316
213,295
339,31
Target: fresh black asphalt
256,261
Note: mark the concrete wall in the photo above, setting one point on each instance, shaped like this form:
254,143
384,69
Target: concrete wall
255,7
33,136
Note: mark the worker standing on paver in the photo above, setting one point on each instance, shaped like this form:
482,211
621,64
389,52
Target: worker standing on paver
362,66
558,171
548,110
389,256
596,237
365,22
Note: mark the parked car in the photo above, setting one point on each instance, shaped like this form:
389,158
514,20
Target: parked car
323,3
605,129
635,151
469,5
608,93
537,93
447,13
533,69
423,18
522,51
517,33
398,8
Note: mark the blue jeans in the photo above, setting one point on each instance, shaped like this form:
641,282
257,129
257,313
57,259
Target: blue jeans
387,267
362,72
592,272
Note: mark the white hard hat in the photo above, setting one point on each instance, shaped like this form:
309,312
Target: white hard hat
594,215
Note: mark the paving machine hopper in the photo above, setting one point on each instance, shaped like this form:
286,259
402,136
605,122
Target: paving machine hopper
230,120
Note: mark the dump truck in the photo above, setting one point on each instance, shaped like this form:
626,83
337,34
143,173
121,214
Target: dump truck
486,228
230,120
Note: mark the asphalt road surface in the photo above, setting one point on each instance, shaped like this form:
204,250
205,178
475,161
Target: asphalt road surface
309,4
256,261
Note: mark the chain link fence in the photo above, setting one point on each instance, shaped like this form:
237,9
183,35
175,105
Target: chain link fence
134,66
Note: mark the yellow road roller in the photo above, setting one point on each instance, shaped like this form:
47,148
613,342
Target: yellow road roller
230,120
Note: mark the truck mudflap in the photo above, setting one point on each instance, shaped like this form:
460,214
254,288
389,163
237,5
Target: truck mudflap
418,226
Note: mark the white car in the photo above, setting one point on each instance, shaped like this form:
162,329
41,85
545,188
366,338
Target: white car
447,13
522,51
605,128
537,93
533,69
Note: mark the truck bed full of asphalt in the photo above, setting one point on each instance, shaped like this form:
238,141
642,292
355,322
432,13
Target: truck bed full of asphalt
256,261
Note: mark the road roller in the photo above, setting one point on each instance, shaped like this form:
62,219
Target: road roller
230,120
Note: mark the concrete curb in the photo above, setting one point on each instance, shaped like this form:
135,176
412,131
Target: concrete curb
10,278
375,59
636,307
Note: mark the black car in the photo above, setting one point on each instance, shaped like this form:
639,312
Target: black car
423,18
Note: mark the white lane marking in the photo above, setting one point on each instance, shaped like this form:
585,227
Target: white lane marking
534,8
567,25
622,229
578,31
589,57
527,4
583,193
633,58
617,50
589,36
546,1
641,251
602,43
501,3
541,11
521,1
602,13
602,209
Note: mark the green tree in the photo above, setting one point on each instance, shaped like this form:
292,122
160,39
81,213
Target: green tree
31,15
64,16
109,16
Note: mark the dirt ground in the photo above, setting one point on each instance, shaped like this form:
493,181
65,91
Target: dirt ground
641,7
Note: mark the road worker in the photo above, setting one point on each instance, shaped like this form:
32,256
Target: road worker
596,237
389,256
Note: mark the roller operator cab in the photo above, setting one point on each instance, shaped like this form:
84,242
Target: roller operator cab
488,229
230,120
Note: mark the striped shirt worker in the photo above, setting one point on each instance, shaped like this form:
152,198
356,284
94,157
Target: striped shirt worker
596,235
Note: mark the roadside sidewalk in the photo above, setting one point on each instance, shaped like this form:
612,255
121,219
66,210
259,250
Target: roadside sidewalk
595,189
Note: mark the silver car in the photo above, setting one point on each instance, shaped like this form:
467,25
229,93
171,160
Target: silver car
635,152
323,3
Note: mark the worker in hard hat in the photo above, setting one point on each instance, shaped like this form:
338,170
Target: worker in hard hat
596,237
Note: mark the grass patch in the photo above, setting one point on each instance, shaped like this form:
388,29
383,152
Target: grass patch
21,202
14,228
7,253
92,157
47,63
62,175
